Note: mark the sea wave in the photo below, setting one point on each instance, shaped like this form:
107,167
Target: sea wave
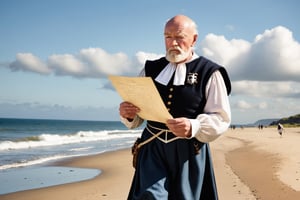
56,139
35,162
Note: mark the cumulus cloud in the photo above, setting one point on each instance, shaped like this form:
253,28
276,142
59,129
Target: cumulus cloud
269,66
140,58
266,89
29,62
143,56
221,50
90,63
244,105
273,55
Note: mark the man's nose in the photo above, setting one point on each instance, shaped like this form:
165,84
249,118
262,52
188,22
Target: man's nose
174,42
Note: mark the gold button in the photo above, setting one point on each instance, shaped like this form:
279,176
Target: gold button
170,96
171,89
169,102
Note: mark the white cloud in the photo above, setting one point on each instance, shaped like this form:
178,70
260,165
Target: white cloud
252,109
243,105
66,65
29,62
265,73
91,63
267,67
266,89
273,56
139,60
143,56
100,62
219,49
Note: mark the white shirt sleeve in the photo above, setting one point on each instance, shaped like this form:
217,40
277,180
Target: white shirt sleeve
136,122
216,116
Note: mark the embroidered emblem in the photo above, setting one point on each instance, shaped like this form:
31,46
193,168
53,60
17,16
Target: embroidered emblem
192,78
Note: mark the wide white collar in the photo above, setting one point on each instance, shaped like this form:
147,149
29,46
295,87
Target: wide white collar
180,73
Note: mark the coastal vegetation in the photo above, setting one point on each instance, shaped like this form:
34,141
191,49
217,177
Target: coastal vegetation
292,121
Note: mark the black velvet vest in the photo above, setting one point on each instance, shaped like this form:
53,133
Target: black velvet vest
189,99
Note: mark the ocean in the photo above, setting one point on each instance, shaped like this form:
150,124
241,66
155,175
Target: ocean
31,144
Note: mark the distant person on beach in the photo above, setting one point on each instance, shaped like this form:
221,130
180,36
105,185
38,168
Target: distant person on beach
174,160
280,129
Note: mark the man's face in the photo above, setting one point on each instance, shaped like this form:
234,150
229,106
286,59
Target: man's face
179,41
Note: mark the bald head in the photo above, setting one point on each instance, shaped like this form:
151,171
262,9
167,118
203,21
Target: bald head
182,22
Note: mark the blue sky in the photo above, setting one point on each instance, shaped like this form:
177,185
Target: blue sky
55,55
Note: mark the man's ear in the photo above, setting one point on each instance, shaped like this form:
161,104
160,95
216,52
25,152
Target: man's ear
195,39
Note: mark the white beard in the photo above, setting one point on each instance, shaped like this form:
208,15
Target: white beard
174,57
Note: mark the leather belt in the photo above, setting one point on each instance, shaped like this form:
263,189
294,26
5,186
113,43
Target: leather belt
165,135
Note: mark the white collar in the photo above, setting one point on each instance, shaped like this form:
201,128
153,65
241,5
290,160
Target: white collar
166,74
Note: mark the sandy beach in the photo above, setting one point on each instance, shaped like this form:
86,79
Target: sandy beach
249,164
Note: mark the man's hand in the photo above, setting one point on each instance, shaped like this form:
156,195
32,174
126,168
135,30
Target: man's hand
180,127
128,110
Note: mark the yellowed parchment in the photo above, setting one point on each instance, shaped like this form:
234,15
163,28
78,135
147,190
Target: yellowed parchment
142,92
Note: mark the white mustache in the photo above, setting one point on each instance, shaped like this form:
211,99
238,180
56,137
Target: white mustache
175,49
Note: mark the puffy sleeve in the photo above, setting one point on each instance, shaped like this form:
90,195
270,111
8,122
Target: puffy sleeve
216,116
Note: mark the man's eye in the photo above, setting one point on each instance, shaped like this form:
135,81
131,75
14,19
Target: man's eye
180,37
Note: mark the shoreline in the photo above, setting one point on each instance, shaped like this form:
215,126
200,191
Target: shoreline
115,169
242,159
43,176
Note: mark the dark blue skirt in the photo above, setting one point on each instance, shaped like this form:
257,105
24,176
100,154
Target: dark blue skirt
179,170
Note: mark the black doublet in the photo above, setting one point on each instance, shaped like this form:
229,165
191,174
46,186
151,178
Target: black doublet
187,100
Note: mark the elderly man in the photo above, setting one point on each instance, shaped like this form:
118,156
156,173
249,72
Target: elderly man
174,160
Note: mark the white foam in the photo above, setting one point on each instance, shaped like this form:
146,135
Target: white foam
33,162
56,139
